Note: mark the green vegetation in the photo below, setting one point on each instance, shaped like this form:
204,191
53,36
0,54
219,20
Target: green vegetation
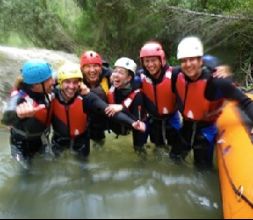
119,28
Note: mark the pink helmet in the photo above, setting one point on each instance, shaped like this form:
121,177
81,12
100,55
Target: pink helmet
153,49
90,57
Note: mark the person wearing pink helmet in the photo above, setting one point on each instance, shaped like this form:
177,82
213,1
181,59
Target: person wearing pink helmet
159,100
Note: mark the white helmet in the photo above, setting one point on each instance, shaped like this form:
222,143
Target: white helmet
190,47
126,63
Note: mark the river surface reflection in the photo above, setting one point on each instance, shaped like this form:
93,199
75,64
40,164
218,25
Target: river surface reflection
113,182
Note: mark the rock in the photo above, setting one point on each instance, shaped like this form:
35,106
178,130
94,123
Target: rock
12,59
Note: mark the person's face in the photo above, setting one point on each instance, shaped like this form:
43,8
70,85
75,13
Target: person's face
153,65
92,72
48,85
120,77
69,87
191,66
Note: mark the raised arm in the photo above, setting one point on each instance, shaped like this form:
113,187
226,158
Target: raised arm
225,88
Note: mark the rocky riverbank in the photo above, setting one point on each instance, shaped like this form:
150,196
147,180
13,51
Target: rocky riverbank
12,58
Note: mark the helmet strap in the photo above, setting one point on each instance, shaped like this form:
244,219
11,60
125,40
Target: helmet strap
46,95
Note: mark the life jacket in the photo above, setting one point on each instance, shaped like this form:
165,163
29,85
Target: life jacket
194,105
160,95
69,119
105,84
126,102
102,88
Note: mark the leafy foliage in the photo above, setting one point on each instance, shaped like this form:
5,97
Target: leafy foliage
33,20
117,28
223,30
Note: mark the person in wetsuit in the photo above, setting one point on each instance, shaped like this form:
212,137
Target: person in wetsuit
123,96
71,109
28,111
97,77
200,98
159,100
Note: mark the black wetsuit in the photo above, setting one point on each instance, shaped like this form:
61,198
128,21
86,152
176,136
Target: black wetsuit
29,135
98,122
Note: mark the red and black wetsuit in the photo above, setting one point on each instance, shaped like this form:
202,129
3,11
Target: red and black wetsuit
132,102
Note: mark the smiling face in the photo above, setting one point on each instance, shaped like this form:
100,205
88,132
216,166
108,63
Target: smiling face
69,88
120,77
153,65
191,66
91,73
48,85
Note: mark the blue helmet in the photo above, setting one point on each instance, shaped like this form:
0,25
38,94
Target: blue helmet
211,61
36,71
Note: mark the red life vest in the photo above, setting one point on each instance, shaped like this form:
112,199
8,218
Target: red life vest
126,102
161,94
195,105
72,116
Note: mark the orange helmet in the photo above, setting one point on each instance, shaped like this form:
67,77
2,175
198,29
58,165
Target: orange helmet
153,49
90,57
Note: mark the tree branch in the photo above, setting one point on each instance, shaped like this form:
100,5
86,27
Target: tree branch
229,17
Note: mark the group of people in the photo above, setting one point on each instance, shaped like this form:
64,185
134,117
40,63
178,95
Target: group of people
37,103
175,106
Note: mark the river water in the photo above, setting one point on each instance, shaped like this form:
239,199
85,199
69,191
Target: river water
113,182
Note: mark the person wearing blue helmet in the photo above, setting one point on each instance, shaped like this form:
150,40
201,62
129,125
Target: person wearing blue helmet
215,65
211,61
28,111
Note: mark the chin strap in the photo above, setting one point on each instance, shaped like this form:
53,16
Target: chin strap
48,101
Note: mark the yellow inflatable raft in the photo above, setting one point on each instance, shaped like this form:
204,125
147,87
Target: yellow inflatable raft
235,163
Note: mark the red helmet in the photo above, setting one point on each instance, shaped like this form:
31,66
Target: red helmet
90,57
153,49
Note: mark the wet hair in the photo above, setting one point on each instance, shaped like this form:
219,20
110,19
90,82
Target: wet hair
131,73
20,84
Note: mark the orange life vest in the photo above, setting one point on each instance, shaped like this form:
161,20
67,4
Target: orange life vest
72,116
161,94
195,105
